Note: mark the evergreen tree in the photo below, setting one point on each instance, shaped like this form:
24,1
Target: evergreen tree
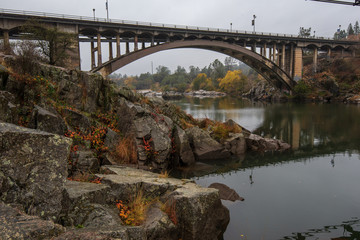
350,30
356,28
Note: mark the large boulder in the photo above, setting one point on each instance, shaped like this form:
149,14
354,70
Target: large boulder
33,168
236,144
8,108
226,193
192,212
259,144
205,147
183,148
15,224
47,121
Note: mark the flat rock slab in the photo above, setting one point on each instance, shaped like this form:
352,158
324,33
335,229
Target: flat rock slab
196,211
17,225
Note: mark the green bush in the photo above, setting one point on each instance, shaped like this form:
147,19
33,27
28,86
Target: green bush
301,90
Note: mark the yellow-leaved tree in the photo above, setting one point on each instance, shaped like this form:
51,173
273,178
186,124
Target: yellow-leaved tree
234,82
202,82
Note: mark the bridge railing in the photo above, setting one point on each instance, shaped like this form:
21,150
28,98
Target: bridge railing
139,23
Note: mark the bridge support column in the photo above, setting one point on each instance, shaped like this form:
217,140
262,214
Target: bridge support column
283,57
274,53
118,53
152,41
136,47
127,47
99,49
110,50
315,59
328,54
93,50
7,47
143,45
253,48
264,50
291,60
298,63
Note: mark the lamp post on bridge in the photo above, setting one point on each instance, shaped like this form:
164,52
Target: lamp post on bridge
253,22
230,27
94,13
107,10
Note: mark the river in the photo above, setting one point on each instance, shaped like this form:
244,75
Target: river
311,192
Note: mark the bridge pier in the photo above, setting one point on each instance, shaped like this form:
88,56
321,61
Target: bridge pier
136,46
110,50
118,53
298,64
127,47
283,57
99,49
93,50
315,59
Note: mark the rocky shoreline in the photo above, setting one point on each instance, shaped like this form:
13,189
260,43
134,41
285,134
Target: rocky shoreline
174,95
65,138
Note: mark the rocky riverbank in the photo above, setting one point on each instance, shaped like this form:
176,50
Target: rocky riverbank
174,95
65,135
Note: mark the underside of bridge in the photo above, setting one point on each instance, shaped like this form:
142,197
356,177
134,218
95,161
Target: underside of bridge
268,69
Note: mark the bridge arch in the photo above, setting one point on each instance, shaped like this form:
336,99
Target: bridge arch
268,69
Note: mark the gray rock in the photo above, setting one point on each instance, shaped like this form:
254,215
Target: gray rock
236,144
17,225
36,163
86,162
205,147
44,120
183,148
226,193
8,108
260,144
196,212
81,205
158,226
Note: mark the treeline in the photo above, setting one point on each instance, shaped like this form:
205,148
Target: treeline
232,77
352,32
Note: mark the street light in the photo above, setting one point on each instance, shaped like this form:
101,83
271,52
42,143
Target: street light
94,13
230,27
253,21
107,10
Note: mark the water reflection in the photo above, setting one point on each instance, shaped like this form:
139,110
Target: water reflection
305,126
347,230
315,185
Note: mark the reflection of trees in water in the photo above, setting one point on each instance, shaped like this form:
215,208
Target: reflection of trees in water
348,232
306,125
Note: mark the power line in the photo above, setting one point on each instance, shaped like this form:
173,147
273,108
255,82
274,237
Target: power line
355,3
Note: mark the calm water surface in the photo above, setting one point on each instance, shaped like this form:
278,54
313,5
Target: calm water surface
312,192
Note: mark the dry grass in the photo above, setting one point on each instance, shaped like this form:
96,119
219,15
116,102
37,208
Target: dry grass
164,174
134,211
220,131
125,151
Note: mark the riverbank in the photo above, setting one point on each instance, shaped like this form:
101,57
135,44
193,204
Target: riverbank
70,125
176,95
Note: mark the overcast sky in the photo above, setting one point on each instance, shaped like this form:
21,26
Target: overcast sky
275,16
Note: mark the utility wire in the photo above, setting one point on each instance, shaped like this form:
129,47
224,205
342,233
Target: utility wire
356,2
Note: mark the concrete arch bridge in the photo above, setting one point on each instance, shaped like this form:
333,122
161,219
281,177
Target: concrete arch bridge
277,57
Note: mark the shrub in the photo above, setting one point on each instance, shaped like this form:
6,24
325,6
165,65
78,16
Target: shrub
125,151
301,90
133,212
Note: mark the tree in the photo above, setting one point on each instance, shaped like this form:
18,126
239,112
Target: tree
202,82
356,28
230,63
161,73
350,30
234,82
54,45
340,34
217,71
304,32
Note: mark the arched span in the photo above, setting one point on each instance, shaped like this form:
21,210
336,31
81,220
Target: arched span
268,69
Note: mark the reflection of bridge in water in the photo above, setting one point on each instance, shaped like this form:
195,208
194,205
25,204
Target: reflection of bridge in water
277,57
